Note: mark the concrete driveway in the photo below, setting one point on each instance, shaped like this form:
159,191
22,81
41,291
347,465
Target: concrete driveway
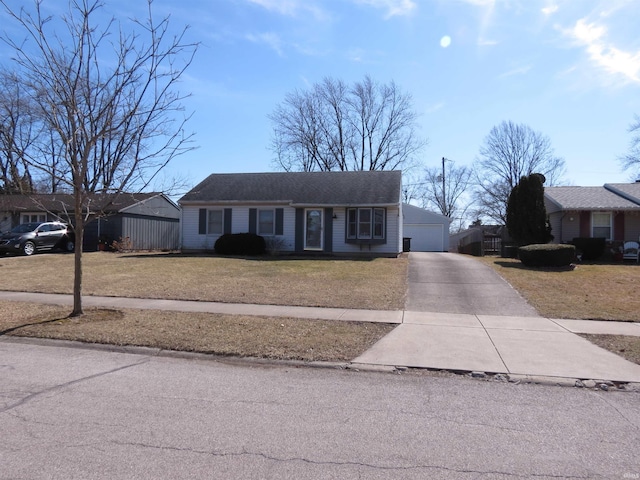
460,315
451,283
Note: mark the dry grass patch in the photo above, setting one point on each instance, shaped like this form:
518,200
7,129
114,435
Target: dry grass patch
245,336
378,283
590,291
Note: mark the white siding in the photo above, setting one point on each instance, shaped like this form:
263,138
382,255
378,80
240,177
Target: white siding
393,234
192,240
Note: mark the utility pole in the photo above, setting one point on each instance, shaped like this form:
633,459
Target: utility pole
444,194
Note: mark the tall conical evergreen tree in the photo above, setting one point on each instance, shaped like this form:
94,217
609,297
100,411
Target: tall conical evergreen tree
527,221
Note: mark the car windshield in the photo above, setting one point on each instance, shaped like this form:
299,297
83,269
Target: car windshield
25,227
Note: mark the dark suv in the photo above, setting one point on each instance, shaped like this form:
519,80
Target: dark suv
30,238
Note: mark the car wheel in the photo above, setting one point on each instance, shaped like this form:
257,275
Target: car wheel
69,246
29,248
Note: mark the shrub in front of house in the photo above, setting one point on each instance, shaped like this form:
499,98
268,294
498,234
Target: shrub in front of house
547,255
240,244
589,248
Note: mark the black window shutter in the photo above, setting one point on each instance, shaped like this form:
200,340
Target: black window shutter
227,221
253,219
279,221
328,229
202,221
299,229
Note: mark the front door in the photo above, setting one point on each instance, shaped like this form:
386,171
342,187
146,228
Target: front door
313,224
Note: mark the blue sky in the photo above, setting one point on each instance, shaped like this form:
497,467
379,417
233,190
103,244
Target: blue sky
567,68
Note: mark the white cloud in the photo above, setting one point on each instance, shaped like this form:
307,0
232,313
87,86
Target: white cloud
272,40
516,71
550,10
483,42
435,107
393,7
593,38
292,8
284,7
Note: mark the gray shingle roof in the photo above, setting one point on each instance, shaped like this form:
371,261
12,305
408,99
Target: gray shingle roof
64,202
413,214
588,198
630,191
300,188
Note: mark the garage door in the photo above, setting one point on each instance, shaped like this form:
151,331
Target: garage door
424,238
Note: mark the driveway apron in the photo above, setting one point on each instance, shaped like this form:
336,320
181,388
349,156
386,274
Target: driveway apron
461,315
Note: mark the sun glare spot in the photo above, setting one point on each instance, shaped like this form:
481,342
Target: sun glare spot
445,41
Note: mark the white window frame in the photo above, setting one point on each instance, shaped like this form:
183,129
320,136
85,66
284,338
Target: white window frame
357,212
40,217
594,226
382,224
210,231
272,231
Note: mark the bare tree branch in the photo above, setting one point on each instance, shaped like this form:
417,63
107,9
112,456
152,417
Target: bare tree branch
106,96
509,152
631,161
334,127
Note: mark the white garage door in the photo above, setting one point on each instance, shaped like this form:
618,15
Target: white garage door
424,238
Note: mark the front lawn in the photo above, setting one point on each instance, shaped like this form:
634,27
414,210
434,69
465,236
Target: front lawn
378,284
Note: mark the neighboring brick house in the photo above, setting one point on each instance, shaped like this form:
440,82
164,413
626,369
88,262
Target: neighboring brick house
611,212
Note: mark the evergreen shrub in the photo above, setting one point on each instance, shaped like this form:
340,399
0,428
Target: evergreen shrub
591,248
240,244
547,255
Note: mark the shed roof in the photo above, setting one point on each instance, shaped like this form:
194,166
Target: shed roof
300,188
64,202
588,198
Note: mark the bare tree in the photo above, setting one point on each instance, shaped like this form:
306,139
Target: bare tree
335,127
108,99
445,187
509,152
631,161
16,136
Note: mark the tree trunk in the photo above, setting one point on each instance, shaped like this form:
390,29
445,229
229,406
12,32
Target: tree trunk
77,277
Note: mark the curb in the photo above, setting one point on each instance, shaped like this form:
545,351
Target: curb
516,379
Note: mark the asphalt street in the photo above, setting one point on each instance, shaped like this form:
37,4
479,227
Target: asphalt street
69,413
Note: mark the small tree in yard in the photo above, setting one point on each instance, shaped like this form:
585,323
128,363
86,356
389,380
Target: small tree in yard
526,214
103,93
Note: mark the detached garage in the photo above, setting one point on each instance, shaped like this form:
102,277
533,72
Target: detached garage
428,231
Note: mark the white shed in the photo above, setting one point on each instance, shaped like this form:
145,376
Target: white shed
428,231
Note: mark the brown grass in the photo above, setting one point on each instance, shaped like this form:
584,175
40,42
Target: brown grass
590,291
378,284
245,336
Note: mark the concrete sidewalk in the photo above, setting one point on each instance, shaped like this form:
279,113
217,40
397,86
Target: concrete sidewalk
504,344
452,341
461,315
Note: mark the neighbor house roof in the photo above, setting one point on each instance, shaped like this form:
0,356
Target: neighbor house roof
588,198
300,188
630,191
64,202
